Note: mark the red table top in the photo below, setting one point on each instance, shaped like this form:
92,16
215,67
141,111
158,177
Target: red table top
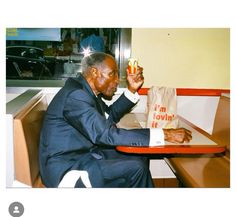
200,144
172,149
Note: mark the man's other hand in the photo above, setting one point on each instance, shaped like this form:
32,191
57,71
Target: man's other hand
179,135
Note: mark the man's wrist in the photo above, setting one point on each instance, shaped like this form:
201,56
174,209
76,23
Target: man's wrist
133,97
132,90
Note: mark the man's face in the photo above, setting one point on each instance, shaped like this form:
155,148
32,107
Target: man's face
107,78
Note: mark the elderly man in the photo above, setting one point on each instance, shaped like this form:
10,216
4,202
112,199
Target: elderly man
80,133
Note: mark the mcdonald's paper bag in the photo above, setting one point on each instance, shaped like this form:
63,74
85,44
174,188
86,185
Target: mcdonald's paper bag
162,108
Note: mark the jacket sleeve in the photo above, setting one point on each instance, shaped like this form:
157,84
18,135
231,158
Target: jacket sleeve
81,112
118,109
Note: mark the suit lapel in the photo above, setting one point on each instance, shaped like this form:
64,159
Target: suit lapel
100,105
88,89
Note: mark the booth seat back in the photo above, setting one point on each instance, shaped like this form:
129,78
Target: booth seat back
208,170
221,129
27,126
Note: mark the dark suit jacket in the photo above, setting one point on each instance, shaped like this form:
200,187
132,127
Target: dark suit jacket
74,123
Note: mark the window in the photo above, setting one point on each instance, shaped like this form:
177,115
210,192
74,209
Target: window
32,62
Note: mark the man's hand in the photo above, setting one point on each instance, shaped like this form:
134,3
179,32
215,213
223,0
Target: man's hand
179,135
135,81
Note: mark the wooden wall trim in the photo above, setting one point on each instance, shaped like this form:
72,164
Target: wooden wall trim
192,92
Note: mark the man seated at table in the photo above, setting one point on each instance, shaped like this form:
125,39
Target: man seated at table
80,133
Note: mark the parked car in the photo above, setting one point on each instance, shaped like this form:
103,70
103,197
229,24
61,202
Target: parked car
26,62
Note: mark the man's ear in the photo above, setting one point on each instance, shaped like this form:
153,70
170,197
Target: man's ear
95,72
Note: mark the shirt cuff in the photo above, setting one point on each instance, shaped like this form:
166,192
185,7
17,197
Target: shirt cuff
156,137
133,97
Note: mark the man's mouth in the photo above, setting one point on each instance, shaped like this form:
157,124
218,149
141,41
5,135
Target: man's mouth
114,89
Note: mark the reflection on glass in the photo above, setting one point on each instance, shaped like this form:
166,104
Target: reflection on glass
58,60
